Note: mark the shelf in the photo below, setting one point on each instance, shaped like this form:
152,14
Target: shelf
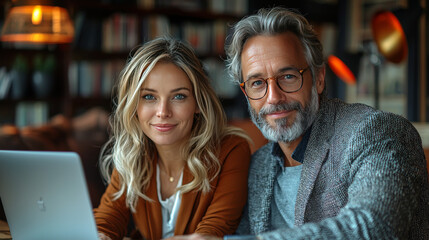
106,35
96,55
105,8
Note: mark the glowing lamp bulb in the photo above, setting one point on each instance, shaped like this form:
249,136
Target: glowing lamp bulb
36,17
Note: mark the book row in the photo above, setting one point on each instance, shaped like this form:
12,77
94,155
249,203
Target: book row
122,32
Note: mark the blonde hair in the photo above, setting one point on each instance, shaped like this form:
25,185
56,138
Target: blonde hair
132,153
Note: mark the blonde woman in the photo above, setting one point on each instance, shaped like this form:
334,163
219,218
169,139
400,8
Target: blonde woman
172,162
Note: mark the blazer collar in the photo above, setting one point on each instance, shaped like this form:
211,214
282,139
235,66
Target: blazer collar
315,155
153,208
261,190
186,206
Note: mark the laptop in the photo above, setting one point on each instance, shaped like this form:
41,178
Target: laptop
45,196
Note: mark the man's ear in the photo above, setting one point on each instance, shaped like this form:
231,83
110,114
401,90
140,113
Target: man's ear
320,80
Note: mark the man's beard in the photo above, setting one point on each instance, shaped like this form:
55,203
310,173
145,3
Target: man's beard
281,132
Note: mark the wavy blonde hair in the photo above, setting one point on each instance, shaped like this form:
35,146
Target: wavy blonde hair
131,152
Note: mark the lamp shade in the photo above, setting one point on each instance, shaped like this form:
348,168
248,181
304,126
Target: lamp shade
44,24
389,36
341,70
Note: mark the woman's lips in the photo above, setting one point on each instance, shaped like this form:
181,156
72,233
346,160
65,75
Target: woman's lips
163,127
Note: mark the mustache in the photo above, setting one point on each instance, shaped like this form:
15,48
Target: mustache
283,106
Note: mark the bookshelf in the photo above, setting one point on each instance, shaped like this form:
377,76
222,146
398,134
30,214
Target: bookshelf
106,33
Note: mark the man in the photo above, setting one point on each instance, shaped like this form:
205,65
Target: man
331,170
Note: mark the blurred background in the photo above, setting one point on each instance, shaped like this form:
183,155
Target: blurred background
43,76
59,61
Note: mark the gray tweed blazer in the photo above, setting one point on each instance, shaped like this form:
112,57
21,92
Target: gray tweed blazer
364,176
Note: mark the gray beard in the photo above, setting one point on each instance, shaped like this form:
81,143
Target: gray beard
281,132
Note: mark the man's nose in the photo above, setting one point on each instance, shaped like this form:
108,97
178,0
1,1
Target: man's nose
274,93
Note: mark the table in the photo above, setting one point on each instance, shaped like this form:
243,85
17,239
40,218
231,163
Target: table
4,231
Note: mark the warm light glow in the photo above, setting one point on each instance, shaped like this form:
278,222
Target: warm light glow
341,70
36,17
389,36
56,20
38,24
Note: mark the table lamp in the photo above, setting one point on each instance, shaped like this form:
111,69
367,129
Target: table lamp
39,22
391,43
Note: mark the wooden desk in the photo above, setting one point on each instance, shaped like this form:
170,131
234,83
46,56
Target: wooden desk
4,231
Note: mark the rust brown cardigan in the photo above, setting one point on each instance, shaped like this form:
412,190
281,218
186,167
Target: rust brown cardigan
216,212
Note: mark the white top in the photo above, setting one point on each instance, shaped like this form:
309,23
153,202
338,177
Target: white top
169,207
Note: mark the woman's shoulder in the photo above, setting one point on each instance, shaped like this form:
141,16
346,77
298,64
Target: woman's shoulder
234,143
233,140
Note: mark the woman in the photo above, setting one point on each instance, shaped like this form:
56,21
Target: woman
177,167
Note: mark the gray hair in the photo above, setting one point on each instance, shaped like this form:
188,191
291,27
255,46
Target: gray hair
271,22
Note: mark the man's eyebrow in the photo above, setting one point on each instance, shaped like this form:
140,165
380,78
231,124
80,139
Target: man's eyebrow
259,75
255,75
281,70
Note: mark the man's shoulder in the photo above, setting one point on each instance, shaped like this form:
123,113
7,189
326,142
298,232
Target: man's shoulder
357,113
263,152
339,107
364,123
262,156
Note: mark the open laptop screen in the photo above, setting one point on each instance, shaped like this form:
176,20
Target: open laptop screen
45,196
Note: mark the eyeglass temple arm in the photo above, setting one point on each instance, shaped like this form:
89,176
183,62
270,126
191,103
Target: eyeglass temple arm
242,89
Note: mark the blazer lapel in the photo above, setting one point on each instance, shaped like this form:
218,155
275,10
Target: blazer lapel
186,206
315,155
153,209
261,191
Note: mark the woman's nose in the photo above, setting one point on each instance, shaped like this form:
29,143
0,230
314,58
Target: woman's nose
163,110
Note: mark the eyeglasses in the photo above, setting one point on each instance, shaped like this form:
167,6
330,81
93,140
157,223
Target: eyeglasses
288,81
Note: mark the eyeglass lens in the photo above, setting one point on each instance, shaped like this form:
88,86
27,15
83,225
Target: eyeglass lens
288,81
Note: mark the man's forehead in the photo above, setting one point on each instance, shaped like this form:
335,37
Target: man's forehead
275,52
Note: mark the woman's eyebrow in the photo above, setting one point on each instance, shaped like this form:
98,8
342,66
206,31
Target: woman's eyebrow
173,90
180,88
147,89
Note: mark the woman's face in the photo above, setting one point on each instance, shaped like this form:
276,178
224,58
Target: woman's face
167,106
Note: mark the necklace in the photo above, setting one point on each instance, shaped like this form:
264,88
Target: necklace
171,178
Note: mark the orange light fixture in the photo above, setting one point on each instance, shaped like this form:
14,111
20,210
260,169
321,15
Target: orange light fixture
389,36
341,70
37,23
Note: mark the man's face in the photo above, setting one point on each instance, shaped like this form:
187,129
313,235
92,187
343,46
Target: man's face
281,116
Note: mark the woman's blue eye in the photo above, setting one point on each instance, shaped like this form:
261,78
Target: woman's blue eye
179,97
148,97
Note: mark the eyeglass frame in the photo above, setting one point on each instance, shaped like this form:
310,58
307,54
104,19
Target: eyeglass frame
275,78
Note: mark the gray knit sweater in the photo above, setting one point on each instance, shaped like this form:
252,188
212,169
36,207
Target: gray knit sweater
364,176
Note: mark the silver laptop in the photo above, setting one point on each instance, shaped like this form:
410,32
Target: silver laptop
45,196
